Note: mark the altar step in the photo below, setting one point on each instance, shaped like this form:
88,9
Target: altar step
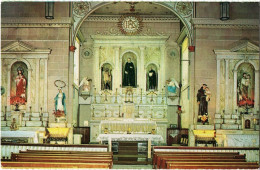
228,122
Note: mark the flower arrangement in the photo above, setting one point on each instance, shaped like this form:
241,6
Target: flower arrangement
17,100
204,119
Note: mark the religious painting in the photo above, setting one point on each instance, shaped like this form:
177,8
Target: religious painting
151,77
245,86
129,69
106,77
19,78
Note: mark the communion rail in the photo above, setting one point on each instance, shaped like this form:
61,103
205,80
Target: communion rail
8,148
252,153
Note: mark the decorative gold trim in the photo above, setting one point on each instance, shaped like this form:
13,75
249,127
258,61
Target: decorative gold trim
139,24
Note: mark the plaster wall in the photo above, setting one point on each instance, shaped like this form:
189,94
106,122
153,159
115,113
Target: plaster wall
238,10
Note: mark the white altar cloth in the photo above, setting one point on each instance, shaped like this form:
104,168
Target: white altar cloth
129,137
20,134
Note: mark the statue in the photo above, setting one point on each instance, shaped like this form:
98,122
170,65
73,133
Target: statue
85,84
60,106
152,79
203,97
129,74
107,84
20,82
172,85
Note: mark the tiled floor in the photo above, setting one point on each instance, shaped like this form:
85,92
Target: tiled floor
132,167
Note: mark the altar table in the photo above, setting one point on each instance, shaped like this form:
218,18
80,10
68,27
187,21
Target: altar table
32,135
130,137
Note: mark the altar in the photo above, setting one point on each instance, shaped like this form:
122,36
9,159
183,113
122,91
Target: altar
31,135
130,137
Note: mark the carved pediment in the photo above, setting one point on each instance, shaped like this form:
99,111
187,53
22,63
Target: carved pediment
17,46
245,46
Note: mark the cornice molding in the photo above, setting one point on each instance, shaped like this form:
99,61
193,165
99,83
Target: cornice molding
64,22
217,23
146,18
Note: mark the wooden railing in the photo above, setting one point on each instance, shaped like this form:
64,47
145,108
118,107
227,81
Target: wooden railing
8,148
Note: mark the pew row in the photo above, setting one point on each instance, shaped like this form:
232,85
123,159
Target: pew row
11,164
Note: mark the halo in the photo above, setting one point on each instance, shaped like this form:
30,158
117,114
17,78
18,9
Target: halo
59,83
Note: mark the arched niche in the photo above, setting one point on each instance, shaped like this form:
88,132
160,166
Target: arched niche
106,76
152,77
129,69
245,86
19,81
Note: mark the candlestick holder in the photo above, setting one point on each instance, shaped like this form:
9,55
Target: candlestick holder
116,97
119,111
141,101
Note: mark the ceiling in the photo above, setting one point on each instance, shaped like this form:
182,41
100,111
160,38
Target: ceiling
142,8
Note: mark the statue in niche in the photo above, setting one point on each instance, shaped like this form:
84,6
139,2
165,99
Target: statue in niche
20,82
152,78
245,87
244,91
86,85
18,92
203,97
129,73
172,86
106,80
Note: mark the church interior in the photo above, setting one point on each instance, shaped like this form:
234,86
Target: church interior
130,85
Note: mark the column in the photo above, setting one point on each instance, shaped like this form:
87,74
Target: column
46,85
117,78
256,91
96,69
37,83
226,86
142,82
218,88
235,92
9,89
161,80
29,90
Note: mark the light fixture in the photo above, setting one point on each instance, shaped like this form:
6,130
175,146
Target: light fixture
224,11
49,10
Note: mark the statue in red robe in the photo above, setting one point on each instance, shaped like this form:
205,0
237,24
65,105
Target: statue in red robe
20,82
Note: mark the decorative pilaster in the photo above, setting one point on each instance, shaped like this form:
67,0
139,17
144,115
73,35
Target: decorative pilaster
218,87
8,89
235,91
142,68
227,86
46,85
256,91
37,83
117,78
162,68
96,62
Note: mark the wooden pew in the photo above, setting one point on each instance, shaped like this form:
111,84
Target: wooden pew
10,164
216,166
209,163
64,157
155,155
201,157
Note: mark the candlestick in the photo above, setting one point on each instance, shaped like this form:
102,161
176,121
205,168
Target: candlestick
93,115
95,100
119,111
162,96
141,101
116,96
31,109
5,113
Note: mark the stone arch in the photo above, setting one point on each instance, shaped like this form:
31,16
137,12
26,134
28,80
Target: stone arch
169,5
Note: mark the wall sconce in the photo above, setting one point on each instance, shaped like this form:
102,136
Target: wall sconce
224,11
49,10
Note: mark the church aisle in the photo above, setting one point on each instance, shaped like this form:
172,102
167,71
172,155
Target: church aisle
132,167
